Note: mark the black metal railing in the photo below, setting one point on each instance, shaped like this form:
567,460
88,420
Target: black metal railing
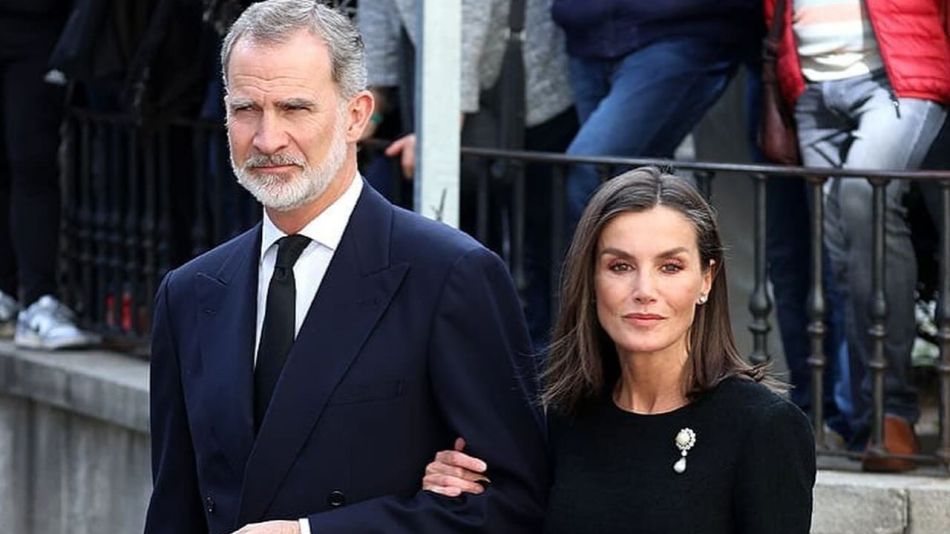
142,198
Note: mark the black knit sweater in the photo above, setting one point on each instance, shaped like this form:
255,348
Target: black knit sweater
751,470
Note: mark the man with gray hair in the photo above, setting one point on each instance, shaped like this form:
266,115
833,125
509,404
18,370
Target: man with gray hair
305,372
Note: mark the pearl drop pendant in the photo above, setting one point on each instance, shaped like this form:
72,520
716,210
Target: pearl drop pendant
684,441
680,465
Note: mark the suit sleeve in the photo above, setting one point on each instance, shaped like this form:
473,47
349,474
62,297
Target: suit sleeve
484,382
175,505
776,473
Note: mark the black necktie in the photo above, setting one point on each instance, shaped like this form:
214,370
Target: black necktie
277,334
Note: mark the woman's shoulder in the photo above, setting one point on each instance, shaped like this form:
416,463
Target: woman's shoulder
761,409
754,400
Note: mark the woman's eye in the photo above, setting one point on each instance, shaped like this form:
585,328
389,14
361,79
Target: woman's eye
671,268
620,267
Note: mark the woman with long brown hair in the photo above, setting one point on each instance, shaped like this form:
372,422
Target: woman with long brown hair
656,422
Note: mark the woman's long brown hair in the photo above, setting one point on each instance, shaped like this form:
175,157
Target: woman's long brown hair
583,359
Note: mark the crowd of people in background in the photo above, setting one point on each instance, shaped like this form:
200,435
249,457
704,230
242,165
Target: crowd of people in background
867,81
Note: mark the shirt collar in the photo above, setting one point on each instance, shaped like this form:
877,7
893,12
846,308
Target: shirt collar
326,228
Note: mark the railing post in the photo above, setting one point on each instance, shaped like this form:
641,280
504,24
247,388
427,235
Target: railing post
150,219
516,171
759,302
69,267
115,269
84,234
704,180
817,329
943,325
199,227
130,291
878,314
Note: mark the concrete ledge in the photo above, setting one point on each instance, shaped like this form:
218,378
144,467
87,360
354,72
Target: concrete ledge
98,384
863,503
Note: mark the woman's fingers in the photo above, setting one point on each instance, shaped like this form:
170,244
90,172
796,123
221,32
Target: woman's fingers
460,459
439,468
443,484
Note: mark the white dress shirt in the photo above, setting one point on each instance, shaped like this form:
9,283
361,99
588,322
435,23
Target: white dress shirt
325,232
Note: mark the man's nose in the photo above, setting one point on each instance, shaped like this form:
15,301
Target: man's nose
270,136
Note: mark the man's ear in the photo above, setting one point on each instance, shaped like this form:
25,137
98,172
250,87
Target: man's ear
358,112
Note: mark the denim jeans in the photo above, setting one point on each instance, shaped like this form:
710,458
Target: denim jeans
858,123
642,104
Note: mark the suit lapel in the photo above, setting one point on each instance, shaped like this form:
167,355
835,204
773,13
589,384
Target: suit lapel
357,288
226,322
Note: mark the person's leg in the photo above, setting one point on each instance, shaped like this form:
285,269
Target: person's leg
657,95
32,111
553,135
590,82
8,281
886,137
787,251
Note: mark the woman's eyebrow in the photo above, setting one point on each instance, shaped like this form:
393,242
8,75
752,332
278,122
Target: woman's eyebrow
624,254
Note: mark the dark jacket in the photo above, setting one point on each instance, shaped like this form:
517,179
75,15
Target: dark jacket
608,29
415,337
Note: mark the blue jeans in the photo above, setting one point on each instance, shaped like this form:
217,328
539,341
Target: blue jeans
642,104
788,250
858,123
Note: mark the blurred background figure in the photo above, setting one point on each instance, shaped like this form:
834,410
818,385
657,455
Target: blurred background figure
31,97
389,28
869,82
644,73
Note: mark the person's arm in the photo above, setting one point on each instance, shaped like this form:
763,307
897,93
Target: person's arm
379,24
776,472
484,384
175,506
476,22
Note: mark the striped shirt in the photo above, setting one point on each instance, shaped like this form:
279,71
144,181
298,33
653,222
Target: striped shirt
835,39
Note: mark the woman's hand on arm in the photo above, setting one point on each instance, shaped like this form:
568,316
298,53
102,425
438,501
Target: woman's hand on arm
453,472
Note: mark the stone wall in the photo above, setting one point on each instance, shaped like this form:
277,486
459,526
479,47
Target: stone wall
74,448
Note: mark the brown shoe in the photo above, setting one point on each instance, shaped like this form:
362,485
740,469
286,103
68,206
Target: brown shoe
899,438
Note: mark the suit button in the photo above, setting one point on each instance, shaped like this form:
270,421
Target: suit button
336,498
209,505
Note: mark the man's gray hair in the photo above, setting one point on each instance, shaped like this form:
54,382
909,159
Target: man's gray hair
273,22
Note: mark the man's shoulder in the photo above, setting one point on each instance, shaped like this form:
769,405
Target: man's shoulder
419,238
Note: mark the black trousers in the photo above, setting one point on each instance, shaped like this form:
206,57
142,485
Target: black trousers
30,116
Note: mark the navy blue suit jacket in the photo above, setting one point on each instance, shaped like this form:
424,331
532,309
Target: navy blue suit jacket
415,337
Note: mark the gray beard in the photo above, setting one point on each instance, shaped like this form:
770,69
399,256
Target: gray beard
283,192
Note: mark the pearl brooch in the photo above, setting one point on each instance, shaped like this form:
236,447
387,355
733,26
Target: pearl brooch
685,439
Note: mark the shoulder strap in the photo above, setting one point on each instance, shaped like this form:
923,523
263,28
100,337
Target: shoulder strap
774,38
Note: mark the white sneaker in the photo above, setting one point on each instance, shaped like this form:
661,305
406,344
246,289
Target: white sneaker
48,324
9,308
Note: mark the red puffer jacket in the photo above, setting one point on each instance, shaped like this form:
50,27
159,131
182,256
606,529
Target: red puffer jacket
912,35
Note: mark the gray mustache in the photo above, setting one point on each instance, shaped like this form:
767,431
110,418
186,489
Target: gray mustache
261,160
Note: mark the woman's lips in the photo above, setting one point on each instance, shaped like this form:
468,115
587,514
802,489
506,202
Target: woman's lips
643,318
